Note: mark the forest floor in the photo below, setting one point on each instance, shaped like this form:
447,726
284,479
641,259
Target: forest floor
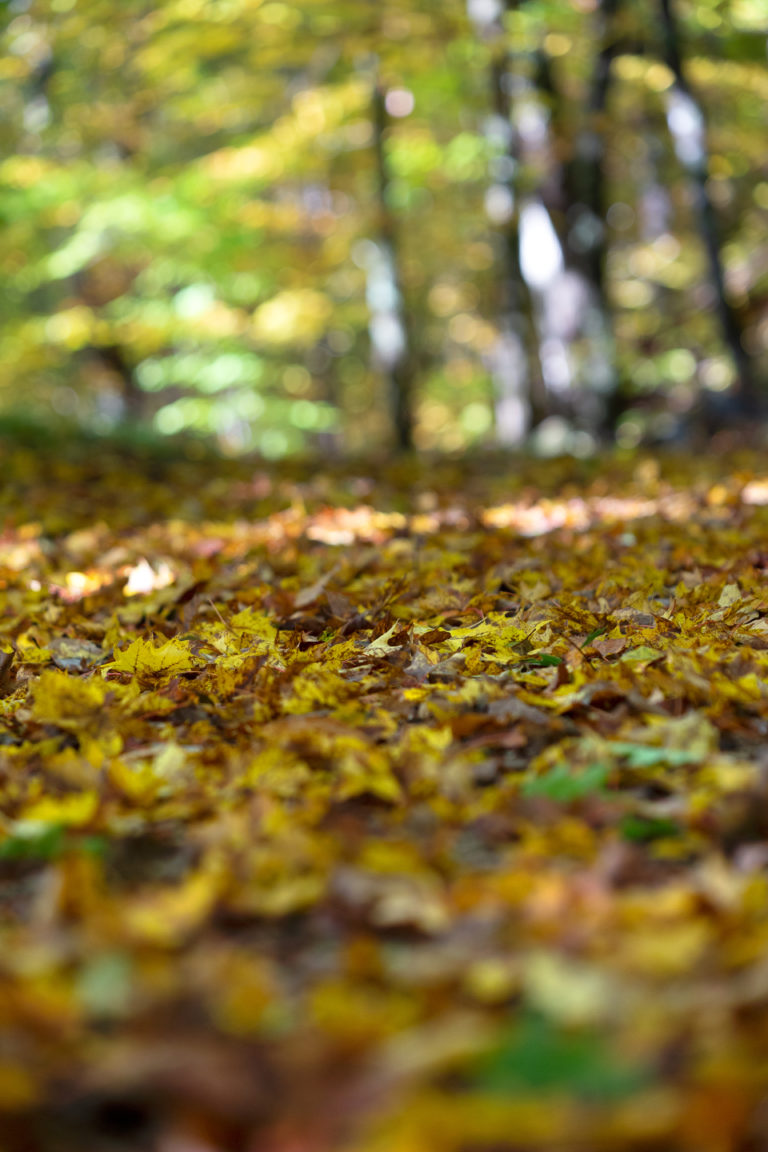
419,809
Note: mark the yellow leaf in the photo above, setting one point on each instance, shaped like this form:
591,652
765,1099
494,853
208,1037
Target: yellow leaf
317,688
641,655
744,688
381,646
149,662
669,951
429,740
31,653
256,624
491,980
569,991
138,783
730,594
345,1009
284,896
335,655
370,776
170,760
411,903
168,915
74,810
69,702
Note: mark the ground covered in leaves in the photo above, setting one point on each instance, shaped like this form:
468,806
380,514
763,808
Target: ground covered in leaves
419,810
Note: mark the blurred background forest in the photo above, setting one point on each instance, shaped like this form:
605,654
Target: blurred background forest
338,225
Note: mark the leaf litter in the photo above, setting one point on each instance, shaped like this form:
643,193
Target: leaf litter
424,811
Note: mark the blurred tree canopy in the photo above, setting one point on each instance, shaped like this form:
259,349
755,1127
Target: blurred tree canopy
337,224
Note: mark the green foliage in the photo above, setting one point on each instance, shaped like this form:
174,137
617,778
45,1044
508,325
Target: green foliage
565,786
193,186
642,830
537,1056
545,660
649,755
41,842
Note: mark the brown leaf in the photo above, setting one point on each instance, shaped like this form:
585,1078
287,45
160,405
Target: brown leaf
610,646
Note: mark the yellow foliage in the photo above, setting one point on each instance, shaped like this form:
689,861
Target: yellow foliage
458,808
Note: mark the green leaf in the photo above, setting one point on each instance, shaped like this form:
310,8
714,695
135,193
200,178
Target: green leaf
649,756
641,830
545,660
539,1057
92,845
564,786
39,842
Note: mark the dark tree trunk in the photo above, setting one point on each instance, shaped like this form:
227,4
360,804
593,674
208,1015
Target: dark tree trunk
687,127
577,202
112,358
392,340
519,392
516,304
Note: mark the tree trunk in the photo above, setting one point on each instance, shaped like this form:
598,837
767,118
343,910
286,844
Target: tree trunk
687,128
390,332
577,201
520,395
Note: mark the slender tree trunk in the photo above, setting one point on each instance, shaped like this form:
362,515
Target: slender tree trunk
114,361
390,331
588,167
517,316
578,202
687,127
520,395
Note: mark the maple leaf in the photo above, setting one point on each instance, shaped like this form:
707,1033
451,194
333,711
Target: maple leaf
153,663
